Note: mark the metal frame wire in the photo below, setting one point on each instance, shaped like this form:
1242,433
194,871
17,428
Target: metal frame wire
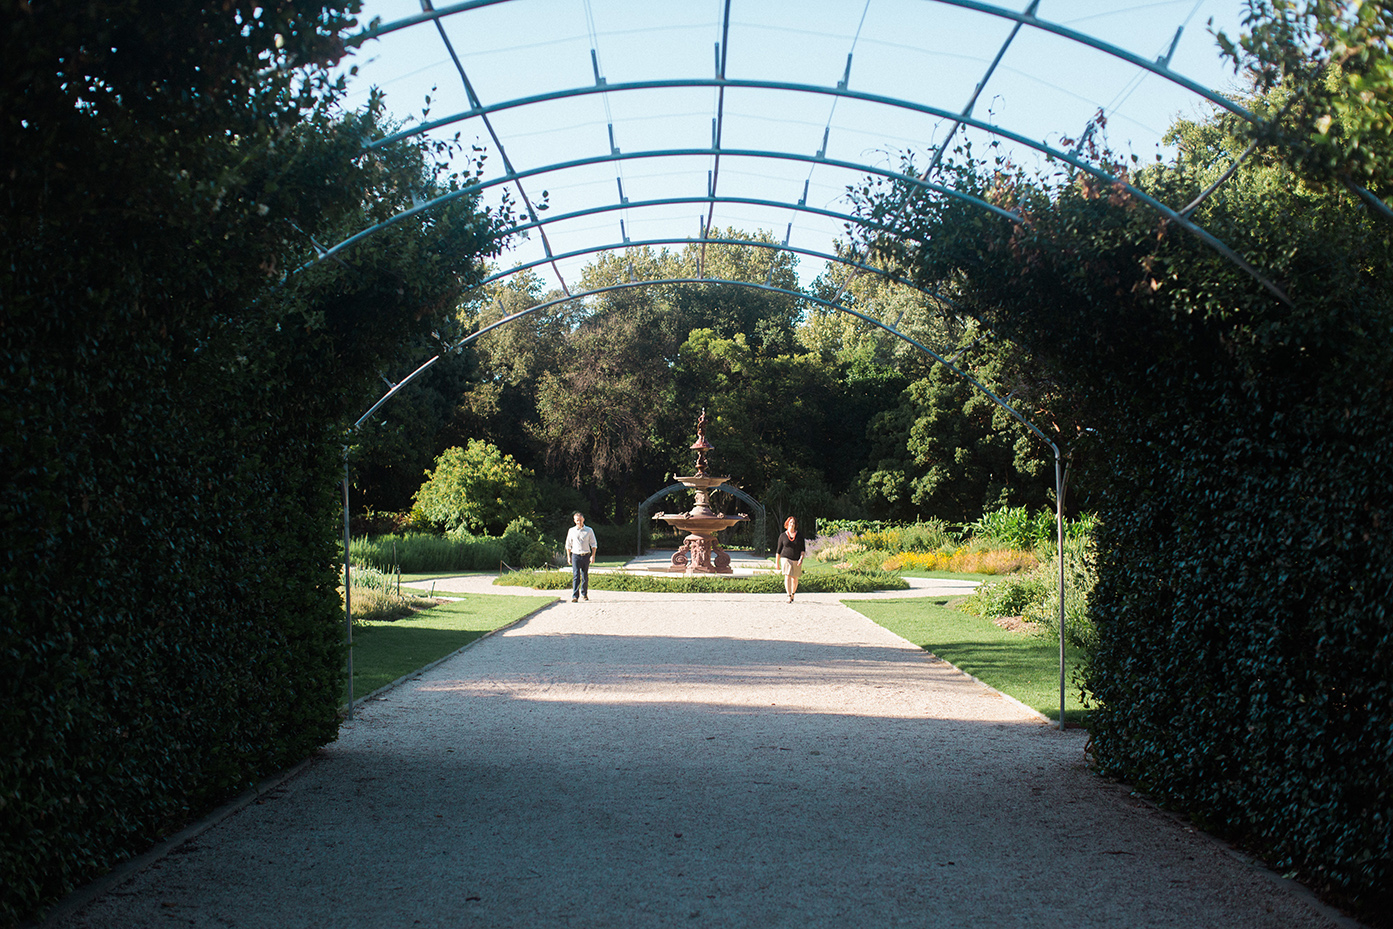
864,168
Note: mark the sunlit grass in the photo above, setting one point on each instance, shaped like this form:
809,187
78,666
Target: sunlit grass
1023,666
385,651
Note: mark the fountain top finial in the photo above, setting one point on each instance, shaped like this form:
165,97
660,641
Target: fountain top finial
701,442
701,446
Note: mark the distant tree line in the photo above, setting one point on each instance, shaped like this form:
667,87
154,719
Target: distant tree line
810,409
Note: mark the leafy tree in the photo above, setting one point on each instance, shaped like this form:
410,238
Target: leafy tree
1324,73
401,440
948,451
935,446
476,489
770,415
605,407
856,345
511,361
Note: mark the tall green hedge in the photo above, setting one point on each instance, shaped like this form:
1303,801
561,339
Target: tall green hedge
1244,451
172,404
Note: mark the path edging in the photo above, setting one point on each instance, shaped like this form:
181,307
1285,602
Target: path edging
130,867
427,667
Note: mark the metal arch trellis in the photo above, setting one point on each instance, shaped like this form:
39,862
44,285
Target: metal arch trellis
511,177
612,156
759,524
943,146
627,204
1012,411
497,141
1160,67
720,82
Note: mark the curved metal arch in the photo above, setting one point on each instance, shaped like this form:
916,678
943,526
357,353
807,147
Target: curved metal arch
799,207
759,521
514,176
773,246
1024,18
1069,158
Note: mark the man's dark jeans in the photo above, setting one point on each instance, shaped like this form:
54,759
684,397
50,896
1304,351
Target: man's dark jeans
580,576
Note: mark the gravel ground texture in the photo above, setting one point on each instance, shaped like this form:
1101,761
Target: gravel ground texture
698,760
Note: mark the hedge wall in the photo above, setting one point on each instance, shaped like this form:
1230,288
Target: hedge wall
1244,450
172,407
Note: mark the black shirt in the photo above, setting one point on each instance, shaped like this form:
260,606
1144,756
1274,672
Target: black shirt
792,549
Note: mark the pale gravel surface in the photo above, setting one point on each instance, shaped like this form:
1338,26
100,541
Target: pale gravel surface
706,760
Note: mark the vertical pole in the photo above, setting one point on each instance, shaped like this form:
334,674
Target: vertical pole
1059,541
347,585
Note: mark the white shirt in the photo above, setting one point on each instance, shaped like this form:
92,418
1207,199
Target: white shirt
580,540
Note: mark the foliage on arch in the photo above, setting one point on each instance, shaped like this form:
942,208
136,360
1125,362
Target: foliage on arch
1243,455
1326,66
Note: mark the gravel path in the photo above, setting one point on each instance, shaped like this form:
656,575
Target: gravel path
706,760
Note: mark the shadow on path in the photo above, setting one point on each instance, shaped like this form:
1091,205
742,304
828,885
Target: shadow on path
682,762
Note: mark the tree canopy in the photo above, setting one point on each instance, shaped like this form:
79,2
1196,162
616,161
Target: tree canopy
1325,71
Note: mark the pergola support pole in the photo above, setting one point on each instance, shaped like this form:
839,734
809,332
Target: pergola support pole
347,584
1059,542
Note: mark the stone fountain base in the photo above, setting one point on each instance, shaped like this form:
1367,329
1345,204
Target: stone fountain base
700,555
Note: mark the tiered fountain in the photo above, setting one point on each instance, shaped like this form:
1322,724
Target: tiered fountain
700,552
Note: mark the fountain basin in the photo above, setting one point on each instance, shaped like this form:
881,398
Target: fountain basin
701,481
699,525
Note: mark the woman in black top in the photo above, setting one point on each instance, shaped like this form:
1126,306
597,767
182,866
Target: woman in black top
788,555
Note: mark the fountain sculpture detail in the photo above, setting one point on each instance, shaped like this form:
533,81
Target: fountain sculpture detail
700,552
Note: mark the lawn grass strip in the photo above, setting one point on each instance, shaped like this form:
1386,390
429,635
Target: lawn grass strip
483,634
1022,668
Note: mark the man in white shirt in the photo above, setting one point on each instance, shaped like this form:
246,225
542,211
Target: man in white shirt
580,549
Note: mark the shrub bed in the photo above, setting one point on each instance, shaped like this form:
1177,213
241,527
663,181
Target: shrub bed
964,561
837,582
427,553
1034,596
377,597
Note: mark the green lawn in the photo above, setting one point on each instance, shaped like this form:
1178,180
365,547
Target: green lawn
1022,666
424,582
385,651
950,575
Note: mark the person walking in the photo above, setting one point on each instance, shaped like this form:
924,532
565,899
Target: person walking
581,547
788,555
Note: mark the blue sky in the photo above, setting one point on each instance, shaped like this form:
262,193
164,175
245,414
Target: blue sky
1045,88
